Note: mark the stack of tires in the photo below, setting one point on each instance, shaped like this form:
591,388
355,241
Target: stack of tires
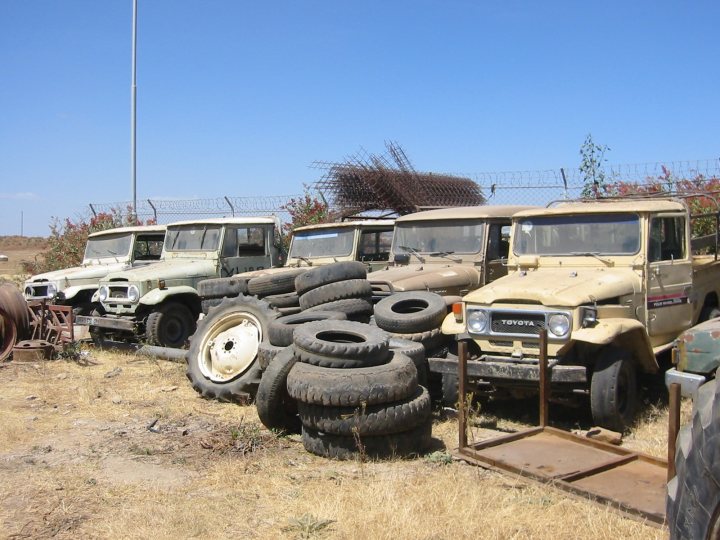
355,394
278,289
339,287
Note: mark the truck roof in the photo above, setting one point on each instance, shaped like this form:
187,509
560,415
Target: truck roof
138,228
247,220
609,206
348,224
464,212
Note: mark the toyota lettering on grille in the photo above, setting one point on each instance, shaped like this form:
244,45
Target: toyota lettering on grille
513,322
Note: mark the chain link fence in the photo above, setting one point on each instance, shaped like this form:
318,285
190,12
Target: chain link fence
514,187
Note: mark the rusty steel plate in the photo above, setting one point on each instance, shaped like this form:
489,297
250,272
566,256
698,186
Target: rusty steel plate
33,350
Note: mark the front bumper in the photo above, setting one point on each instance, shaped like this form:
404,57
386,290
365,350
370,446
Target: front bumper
506,373
112,323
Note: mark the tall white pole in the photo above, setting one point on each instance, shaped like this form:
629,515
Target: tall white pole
133,114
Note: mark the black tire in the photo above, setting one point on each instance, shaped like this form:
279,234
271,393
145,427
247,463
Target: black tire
222,287
329,274
450,394
342,339
386,383
170,325
266,352
372,420
613,390
340,290
280,331
273,284
356,309
334,362
693,500
208,303
226,370
428,336
416,352
410,312
275,408
288,310
404,444
283,300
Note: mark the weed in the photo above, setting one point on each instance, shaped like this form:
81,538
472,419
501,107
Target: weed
307,526
438,458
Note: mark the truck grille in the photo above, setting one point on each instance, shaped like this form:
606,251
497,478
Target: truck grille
517,322
118,292
36,291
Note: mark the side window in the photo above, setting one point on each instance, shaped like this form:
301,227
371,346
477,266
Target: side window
251,241
667,239
148,248
230,243
498,242
375,245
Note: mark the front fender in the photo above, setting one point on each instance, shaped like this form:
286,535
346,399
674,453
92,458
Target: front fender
451,327
158,296
626,333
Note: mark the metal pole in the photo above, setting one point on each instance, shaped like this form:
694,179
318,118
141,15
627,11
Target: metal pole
462,405
544,394
133,114
673,428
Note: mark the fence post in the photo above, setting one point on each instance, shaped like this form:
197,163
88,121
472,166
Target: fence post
230,205
92,210
153,209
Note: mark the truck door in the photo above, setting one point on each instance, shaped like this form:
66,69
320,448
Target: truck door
245,248
669,278
498,247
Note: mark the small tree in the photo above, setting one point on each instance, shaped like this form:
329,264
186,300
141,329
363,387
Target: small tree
305,210
591,167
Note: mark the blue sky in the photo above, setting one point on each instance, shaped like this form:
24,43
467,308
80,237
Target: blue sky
239,98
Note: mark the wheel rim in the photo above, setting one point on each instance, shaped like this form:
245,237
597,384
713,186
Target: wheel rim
229,347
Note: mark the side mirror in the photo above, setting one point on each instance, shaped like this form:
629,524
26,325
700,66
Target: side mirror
402,258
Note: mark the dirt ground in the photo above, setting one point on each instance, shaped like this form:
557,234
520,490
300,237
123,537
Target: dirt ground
118,446
18,249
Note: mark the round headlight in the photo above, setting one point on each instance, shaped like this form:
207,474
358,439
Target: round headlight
477,321
28,292
51,290
103,293
559,324
133,293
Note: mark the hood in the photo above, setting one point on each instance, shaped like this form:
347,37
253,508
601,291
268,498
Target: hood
170,269
68,276
568,287
433,277
267,272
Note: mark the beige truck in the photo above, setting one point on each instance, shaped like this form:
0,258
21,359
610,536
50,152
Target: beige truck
613,283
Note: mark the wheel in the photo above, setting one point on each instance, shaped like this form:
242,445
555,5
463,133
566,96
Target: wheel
340,290
170,325
84,308
613,390
331,273
280,330
450,393
693,500
275,408
383,419
410,312
222,360
385,383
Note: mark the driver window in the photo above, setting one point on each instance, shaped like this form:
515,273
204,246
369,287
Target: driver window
667,239
498,242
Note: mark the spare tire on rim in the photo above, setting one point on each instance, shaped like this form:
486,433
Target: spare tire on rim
331,273
410,312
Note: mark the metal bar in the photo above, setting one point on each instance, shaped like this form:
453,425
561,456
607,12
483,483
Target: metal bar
544,386
232,210
673,428
462,406
610,464
153,209
92,209
133,112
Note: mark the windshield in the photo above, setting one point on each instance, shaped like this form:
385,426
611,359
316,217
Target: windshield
599,234
193,238
436,236
322,243
112,245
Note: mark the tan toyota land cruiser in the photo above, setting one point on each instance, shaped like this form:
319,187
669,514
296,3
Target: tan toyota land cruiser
613,283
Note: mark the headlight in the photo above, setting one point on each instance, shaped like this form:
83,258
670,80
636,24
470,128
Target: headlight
103,293
477,321
559,324
51,290
28,292
133,293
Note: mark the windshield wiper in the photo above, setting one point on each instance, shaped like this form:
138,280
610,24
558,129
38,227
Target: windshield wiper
446,255
412,251
303,259
595,254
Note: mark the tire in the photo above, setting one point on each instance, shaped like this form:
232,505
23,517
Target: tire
208,303
386,383
403,444
226,287
356,309
343,340
283,300
693,500
274,284
410,312
266,352
280,331
613,390
383,419
431,340
334,362
276,409
288,310
416,352
450,394
222,360
709,312
331,273
340,290
170,325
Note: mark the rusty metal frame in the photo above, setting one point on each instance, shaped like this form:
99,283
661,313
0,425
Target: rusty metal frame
601,481
52,323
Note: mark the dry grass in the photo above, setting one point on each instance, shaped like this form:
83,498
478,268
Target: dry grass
124,448
18,249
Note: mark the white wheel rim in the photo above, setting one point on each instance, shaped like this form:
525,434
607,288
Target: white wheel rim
230,347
